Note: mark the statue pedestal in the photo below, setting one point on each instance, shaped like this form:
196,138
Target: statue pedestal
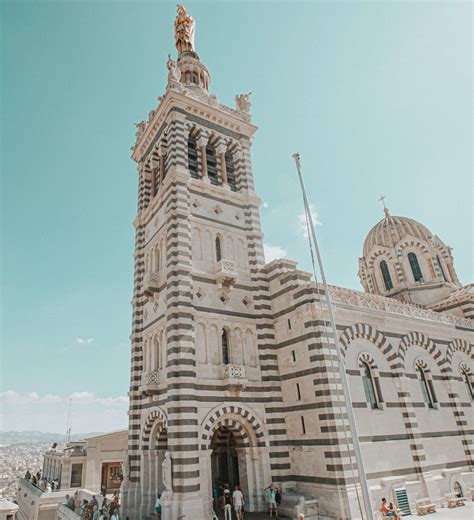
166,506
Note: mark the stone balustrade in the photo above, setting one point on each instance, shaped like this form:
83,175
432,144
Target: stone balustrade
64,513
151,283
235,374
348,297
226,273
150,380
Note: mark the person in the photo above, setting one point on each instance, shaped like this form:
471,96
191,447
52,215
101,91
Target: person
95,513
158,507
68,501
277,496
301,516
392,512
72,503
27,475
101,514
115,515
103,490
83,507
237,501
270,500
93,501
34,480
227,503
384,507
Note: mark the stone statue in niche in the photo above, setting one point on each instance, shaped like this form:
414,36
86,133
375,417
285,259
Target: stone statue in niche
166,470
242,102
184,31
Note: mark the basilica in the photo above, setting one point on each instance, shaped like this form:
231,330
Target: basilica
234,376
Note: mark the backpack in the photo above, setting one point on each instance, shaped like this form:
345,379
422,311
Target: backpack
278,498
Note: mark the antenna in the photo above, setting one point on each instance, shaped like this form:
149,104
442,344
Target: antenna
340,359
68,426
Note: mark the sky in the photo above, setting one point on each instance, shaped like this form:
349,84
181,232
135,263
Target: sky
376,97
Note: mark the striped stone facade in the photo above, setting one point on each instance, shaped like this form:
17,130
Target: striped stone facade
234,358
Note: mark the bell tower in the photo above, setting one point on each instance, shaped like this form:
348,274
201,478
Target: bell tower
197,394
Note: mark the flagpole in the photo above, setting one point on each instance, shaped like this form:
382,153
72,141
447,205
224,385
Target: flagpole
340,359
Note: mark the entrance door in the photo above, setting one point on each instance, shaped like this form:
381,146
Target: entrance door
224,460
111,476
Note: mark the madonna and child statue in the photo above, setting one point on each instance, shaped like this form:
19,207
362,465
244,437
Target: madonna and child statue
184,31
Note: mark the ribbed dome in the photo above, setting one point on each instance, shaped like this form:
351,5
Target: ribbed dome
390,230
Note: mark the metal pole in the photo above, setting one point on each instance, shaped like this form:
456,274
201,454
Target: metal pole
68,427
342,368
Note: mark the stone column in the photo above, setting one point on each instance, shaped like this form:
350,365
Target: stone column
220,150
202,142
162,167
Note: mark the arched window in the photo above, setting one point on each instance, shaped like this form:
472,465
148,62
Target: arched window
369,387
211,160
230,168
156,355
218,249
470,390
387,280
225,347
427,389
441,268
415,267
193,158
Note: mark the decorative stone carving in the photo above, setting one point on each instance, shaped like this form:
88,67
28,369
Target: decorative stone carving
151,377
234,372
141,127
173,71
184,30
242,102
226,274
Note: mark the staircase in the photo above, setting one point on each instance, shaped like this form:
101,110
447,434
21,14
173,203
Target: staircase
402,501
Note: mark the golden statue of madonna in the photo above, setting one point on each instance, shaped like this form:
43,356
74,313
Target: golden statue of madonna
184,30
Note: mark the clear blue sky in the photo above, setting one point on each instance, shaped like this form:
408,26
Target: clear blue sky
376,96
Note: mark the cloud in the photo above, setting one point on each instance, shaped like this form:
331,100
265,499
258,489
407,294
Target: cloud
302,227
85,341
48,412
273,252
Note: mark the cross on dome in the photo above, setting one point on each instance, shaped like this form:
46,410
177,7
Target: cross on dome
385,209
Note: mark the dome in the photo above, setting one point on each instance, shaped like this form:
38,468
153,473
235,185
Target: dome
390,230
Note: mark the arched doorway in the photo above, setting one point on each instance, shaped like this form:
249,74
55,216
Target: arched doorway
153,456
224,458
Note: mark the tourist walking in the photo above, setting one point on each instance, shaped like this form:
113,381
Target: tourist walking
227,503
270,499
238,502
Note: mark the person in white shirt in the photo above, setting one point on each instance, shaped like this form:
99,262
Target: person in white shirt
238,501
